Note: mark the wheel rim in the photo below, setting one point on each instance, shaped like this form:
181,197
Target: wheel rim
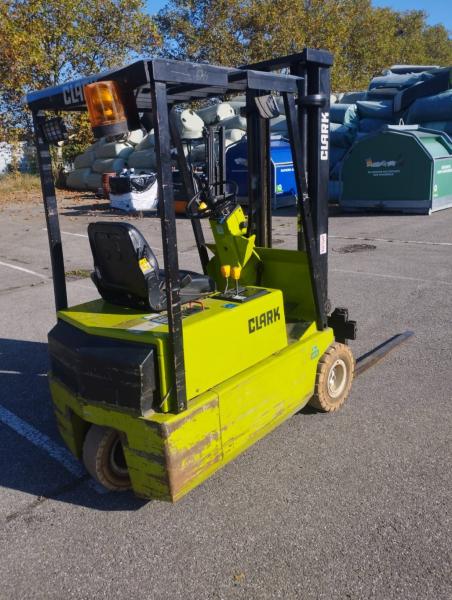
337,378
117,460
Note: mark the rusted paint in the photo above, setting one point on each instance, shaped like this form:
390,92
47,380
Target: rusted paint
186,417
184,467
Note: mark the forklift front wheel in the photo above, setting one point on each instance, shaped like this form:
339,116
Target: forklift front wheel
334,378
104,459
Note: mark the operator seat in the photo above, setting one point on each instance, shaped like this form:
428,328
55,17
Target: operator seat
126,271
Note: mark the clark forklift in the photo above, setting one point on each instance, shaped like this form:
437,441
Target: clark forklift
170,374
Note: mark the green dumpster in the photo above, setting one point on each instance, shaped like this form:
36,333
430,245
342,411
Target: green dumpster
399,168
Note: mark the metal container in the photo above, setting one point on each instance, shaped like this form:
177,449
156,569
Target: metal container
400,168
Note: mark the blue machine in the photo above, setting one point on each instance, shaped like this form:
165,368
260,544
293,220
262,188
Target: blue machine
282,171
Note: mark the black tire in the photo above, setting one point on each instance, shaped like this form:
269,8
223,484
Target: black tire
103,457
335,372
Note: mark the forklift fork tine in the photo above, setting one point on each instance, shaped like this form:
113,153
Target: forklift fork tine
372,357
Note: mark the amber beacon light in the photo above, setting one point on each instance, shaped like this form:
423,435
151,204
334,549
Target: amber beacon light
105,108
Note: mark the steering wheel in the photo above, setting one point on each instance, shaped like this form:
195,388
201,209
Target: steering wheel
208,203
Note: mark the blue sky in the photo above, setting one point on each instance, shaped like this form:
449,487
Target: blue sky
437,9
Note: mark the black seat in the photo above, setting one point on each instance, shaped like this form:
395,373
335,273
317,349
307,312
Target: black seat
126,271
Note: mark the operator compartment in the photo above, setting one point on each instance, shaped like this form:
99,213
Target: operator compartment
116,350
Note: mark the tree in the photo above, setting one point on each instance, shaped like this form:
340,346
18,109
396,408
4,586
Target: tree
363,39
46,42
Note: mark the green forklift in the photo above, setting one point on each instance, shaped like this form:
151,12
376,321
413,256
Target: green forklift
170,374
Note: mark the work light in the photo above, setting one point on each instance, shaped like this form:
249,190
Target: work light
54,130
105,108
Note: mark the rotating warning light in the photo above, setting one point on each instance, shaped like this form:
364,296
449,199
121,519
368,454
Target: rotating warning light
105,108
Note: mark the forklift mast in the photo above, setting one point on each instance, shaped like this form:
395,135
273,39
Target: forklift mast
311,159
154,86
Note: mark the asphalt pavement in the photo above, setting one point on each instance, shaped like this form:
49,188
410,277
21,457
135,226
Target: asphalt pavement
353,505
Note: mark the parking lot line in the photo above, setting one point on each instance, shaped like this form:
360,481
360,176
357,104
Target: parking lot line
76,234
388,276
83,235
42,441
393,241
3,264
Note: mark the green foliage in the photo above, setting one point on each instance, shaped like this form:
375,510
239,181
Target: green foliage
80,136
46,42
18,182
363,39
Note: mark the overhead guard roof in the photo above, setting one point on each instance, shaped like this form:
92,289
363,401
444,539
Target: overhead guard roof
185,82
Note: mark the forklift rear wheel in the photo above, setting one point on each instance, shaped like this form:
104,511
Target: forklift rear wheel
334,378
104,459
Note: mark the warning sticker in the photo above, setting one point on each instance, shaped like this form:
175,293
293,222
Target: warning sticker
145,265
323,243
145,326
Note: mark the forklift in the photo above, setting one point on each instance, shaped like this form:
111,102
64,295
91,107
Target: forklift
170,374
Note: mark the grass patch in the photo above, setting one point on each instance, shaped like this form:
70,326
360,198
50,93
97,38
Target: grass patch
78,274
19,182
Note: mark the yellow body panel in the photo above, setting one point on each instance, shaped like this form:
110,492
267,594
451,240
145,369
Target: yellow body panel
170,454
220,340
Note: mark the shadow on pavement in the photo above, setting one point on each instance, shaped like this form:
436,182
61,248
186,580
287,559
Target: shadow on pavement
25,465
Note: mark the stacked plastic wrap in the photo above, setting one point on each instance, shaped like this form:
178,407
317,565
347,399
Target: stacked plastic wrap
138,150
343,131
433,112
355,115
101,157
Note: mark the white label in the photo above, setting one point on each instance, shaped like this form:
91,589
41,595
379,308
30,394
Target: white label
324,135
323,243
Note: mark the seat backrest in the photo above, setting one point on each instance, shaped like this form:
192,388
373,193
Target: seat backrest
126,271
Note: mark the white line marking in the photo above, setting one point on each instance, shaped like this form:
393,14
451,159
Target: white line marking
69,233
85,236
3,264
6,372
76,234
54,450
372,239
384,275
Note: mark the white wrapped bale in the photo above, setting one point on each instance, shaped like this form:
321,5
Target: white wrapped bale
85,160
97,144
342,136
445,126
114,150
353,97
235,122
94,181
377,109
237,104
344,114
147,142
76,180
369,125
431,108
108,165
400,81
216,113
232,136
278,125
188,123
143,159
135,137
198,154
